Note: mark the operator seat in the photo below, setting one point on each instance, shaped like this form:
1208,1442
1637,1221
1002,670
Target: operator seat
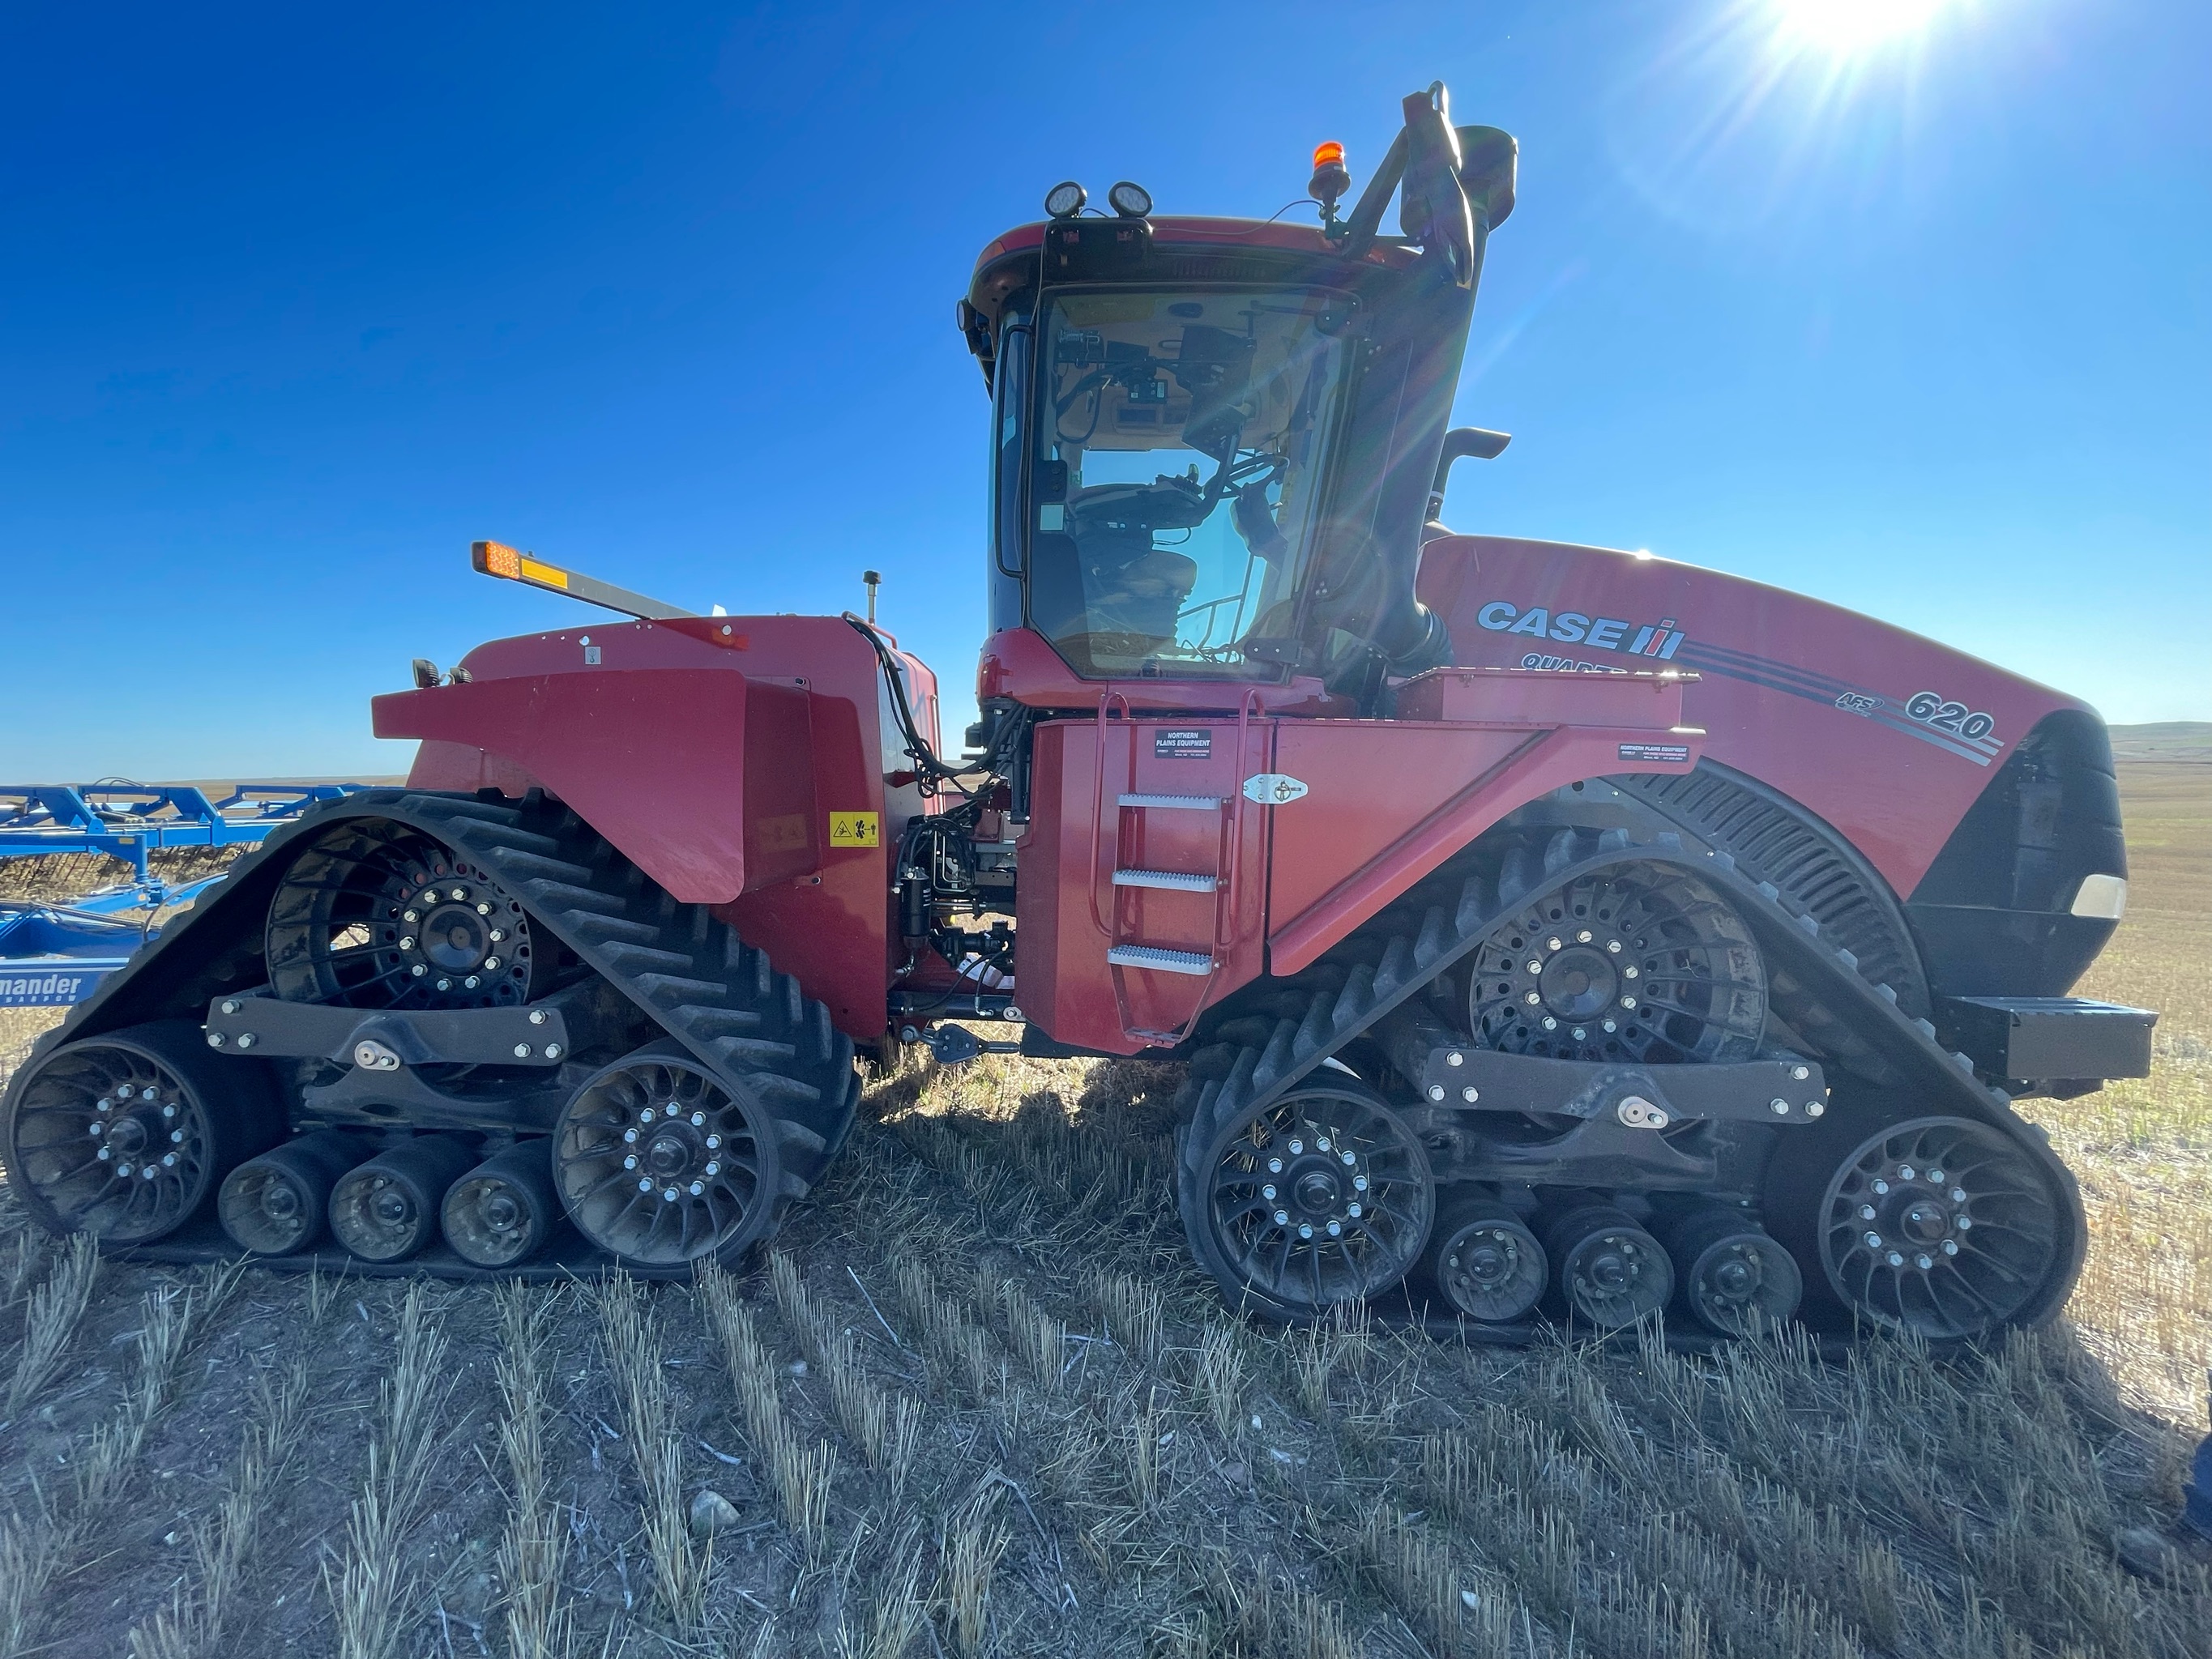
1106,578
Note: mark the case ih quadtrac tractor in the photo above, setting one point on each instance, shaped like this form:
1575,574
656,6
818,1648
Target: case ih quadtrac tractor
1548,930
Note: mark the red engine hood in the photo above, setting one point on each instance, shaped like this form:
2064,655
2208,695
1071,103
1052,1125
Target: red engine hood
1886,735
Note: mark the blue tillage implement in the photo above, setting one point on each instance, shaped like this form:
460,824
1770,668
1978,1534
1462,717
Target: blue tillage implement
130,820
56,955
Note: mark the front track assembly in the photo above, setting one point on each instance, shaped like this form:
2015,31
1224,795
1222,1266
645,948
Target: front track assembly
442,1033
1660,995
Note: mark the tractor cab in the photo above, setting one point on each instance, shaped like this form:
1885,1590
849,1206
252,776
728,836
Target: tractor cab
1214,439
1168,450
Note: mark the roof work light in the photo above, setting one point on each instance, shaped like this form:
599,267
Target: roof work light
1066,199
1131,201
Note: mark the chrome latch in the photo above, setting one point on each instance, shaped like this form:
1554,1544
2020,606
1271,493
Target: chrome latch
1273,788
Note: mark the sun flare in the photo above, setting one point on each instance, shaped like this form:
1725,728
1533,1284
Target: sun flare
1847,27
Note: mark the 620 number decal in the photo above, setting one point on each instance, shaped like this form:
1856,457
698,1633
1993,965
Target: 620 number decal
1947,716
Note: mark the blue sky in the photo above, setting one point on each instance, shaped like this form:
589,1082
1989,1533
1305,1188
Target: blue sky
296,301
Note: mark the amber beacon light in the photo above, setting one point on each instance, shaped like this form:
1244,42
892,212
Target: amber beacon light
1330,180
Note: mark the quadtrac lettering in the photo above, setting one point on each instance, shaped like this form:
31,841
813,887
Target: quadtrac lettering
1659,640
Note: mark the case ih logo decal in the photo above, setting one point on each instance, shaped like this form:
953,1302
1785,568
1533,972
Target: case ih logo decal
1951,726
1656,639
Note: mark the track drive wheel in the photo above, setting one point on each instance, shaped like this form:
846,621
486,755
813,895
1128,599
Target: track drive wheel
1322,1197
375,913
126,1135
1640,962
660,1161
1944,1227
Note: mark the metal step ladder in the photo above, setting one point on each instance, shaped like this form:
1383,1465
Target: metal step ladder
1120,952
1126,951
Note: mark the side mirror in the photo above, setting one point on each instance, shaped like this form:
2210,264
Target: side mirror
1489,163
1463,441
1432,204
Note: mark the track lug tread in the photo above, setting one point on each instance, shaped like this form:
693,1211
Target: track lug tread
1431,944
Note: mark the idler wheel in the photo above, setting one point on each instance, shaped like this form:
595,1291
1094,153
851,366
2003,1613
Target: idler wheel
277,1204
1609,1273
128,1135
658,1161
386,1209
504,1210
1734,1279
1486,1263
1320,1198
1942,1226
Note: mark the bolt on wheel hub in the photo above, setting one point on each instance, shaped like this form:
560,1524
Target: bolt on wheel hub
1580,982
1641,962
374,915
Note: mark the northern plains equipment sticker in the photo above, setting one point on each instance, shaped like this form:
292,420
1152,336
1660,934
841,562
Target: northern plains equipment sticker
1184,744
1659,753
855,830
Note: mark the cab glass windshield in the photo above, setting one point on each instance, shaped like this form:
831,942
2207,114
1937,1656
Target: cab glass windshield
1180,440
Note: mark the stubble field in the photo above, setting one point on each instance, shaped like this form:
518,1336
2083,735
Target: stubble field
978,1403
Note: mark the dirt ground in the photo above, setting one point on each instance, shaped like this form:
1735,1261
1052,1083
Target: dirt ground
979,1403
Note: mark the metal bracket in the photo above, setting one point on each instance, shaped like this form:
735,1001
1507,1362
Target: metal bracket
1466,1078
1273,788
383,1040
956,1045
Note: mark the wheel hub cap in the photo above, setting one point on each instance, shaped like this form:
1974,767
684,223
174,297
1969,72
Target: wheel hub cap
499,1212
131,1135
671,1154
390,1206
1489,1260
1317,1191
454,938
1579,983
1611,1268
1735,1279
280,1200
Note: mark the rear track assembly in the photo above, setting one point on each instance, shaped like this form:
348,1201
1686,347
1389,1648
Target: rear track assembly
720,1013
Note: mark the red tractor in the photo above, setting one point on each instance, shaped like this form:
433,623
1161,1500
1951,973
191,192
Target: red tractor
1548,930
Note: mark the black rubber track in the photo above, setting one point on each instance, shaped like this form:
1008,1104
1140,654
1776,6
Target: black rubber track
681,966
1815,987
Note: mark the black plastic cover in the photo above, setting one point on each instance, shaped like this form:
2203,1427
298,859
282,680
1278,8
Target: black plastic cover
2046,1039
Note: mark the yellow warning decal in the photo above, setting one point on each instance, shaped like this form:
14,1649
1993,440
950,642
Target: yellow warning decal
551,575
855,830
